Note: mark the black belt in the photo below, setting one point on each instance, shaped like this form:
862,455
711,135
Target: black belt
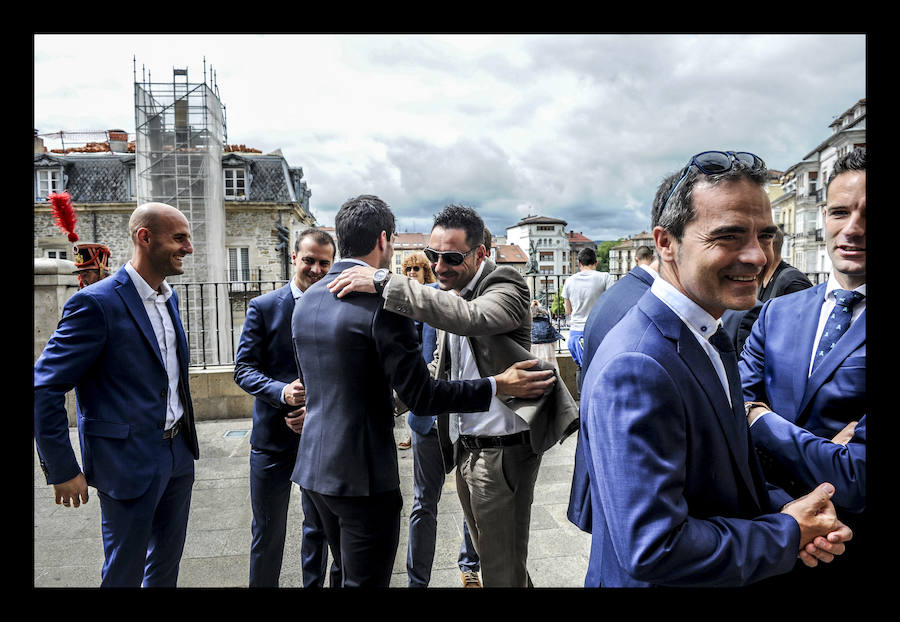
173,431
483,442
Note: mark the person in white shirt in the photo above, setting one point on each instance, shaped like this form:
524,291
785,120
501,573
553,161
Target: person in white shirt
580,292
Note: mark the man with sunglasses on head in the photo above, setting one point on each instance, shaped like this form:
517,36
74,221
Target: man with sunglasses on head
351,353
482,315
677,494
803,370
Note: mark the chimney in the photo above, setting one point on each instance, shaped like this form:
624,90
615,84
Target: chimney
118,140
39,143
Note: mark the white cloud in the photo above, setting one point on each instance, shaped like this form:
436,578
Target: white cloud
581,127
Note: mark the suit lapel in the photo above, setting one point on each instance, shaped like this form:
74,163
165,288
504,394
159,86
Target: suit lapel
135,306
733,425
808,323
848,343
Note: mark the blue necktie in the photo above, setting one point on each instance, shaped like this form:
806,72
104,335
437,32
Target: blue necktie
838,322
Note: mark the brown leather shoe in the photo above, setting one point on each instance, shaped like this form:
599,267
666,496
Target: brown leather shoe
470,578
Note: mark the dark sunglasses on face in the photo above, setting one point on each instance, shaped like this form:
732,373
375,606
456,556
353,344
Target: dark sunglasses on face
413,268
715,162
451,258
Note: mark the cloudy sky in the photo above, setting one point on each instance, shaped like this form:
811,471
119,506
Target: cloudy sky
578,127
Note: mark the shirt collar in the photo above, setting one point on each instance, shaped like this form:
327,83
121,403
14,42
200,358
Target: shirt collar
689,311
143,288
833,285
295,290
471,284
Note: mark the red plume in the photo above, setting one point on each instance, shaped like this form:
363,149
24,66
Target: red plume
64,214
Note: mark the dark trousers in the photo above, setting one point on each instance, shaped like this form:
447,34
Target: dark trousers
363,532
143,538
428,482
270,492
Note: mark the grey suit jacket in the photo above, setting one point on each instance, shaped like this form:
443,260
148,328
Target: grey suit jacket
497,322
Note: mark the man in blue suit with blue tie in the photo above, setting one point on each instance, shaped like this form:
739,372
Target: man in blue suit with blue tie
265,367
677,495
121,345
805,359
352,353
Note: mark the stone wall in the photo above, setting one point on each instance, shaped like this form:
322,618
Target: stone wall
110,222
253,225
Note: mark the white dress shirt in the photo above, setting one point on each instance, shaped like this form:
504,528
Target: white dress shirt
701,323
164,330
499,419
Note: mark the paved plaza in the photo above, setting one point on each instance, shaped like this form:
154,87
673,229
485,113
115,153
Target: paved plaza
68,552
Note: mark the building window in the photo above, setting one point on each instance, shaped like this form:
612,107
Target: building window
239,264
48,182
546,256
57,255
132,180
235,183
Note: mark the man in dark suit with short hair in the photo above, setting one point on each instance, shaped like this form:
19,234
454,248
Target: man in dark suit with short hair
265,367
607,311
352,353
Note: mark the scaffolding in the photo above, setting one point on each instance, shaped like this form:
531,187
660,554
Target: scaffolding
180,135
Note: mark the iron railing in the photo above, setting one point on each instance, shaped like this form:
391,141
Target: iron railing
213,335
213,328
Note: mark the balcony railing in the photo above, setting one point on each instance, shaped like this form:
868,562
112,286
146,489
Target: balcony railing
213,335
213,316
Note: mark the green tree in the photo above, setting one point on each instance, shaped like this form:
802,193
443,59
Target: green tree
603,253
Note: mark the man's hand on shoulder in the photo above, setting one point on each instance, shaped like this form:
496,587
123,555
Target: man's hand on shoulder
355,279
74,491
517,382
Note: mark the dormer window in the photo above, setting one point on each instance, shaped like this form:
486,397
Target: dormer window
235,183
48,182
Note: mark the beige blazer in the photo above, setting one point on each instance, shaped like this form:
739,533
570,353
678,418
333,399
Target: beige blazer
495,319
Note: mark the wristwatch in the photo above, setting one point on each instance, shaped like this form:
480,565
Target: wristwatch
748,406
380,278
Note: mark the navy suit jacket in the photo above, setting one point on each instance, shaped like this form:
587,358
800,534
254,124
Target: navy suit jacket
775,362
352,353
264,364
607,311
104,347
423,425
677,492
812,459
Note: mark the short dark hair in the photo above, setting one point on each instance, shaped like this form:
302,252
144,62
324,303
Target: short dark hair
643,253
462,217
778,241
853,161
678,212
487,240
359,223
587,256
322,238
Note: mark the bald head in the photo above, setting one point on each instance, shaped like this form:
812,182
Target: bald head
149,216
162,238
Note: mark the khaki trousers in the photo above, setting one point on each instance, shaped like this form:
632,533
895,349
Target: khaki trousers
496,489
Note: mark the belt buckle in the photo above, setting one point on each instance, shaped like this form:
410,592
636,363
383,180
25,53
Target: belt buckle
173,431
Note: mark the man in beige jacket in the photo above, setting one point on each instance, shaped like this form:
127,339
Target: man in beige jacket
484,325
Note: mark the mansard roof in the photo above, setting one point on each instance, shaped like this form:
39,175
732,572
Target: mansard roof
104,177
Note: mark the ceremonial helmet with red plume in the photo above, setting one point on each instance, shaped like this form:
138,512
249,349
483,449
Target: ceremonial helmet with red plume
88,257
